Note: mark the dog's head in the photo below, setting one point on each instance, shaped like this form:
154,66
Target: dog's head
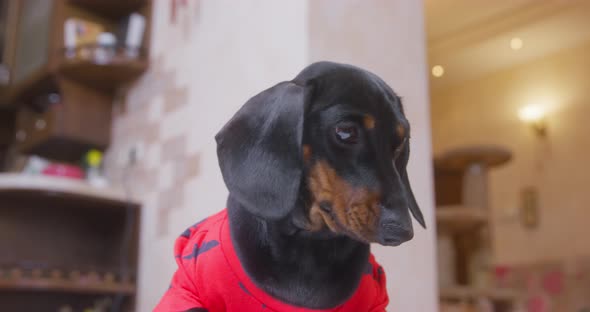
333,142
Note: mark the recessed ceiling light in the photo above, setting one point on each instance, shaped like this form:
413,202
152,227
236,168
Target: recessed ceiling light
438,71
516,43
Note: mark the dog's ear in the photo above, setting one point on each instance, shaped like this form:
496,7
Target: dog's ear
401,165
412,204
259,151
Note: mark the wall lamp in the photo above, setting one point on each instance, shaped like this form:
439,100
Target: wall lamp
535,116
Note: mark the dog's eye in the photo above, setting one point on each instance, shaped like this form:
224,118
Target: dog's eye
347,133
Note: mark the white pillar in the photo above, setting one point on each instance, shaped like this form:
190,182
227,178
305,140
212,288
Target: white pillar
387,37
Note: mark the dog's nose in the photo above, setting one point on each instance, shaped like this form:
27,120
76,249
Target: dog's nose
395,227
394,234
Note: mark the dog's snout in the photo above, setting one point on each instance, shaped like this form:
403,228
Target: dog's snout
393,233
395,227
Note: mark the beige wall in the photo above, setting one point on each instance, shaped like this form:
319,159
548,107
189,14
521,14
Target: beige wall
205,65
485,111
208,63
387,37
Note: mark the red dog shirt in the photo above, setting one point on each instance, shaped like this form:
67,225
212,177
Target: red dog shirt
211,278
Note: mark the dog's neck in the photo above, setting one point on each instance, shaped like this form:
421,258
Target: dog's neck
296,268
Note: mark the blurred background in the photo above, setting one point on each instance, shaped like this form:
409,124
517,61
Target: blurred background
108,109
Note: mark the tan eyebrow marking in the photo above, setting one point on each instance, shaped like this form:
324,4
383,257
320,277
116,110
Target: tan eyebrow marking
369,122
400,130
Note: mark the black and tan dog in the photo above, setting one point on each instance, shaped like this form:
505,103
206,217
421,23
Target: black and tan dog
316,170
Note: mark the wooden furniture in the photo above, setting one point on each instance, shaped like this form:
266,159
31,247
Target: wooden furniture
463,220
7,121
7,39
64,100
37,70
469,299
458,219
77,120
470,293
65,243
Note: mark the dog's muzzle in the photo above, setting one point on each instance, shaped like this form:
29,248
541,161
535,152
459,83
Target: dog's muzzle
394,229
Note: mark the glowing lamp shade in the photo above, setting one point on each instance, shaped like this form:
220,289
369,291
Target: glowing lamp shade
534,115
531,113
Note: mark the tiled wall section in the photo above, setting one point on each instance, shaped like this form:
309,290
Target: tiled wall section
139,126
207,59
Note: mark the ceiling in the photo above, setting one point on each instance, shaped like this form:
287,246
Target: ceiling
471,38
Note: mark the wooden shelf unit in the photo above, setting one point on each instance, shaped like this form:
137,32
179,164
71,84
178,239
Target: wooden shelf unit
107,76
111,8
460,219
39,67
56,187
66,286
466,293
52,222
60,107
106,12
463,219
7,122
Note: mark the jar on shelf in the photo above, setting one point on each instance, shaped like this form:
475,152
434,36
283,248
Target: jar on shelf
106,48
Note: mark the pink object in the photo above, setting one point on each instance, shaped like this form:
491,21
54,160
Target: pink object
62,170
553,283
537,304
502,271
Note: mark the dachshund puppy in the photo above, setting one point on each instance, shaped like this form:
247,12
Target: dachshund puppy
316,171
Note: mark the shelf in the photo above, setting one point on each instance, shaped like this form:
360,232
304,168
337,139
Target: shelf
4,95
111,8
469,293
57,186
7,121
117,72
461,158
50,285
460,218
18,92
